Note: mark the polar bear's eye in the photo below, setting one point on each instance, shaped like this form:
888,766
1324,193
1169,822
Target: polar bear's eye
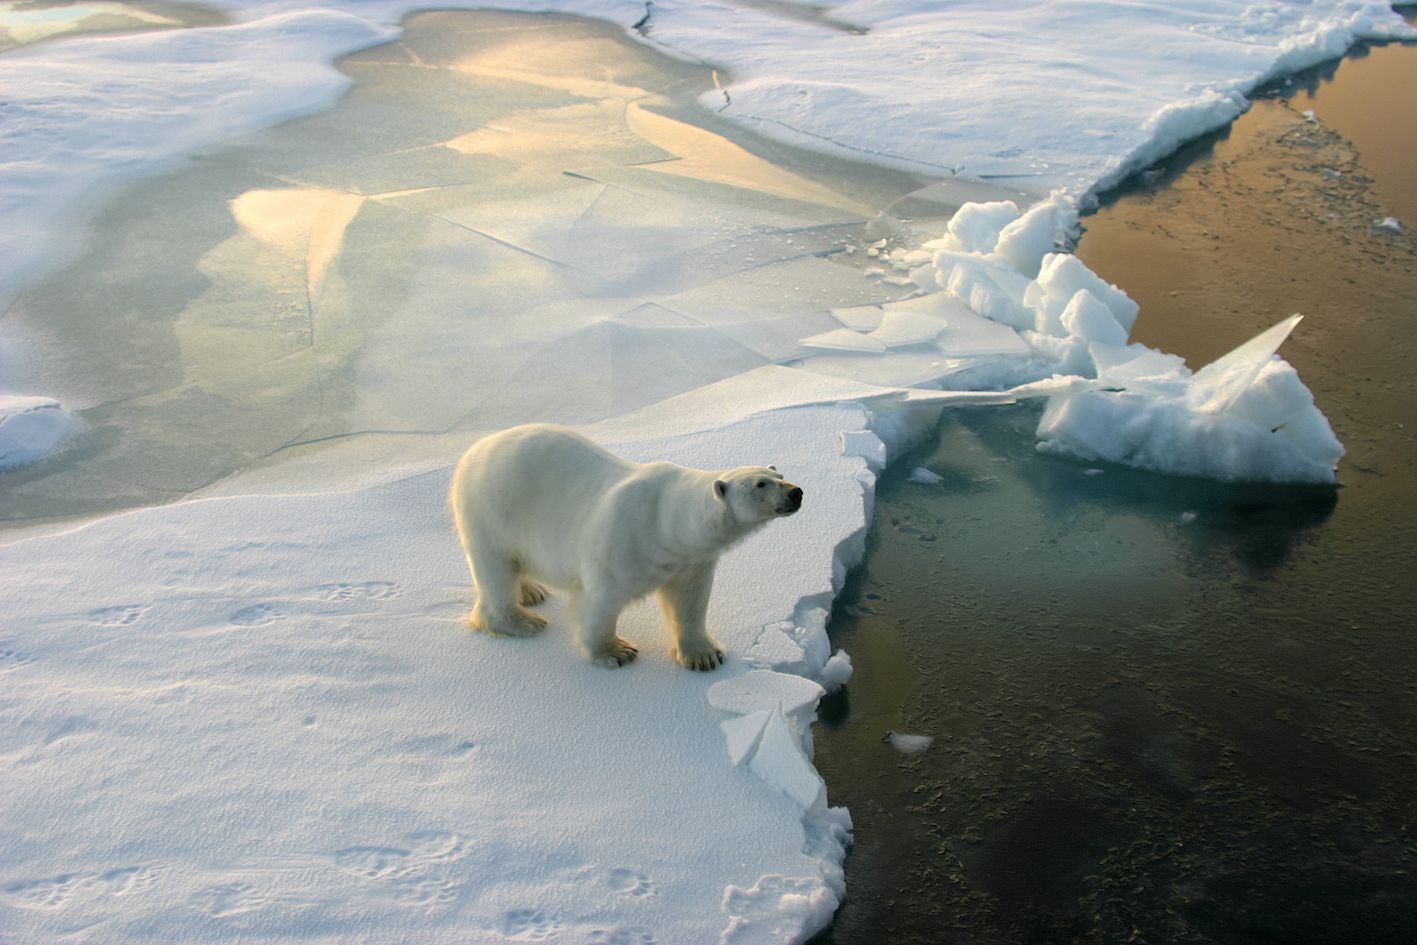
762,483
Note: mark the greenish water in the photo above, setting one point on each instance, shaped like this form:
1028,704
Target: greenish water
1163,710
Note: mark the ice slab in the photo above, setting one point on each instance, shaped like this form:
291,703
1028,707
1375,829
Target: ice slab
859,317
1217,386
761,689
780,762
844,339
903,327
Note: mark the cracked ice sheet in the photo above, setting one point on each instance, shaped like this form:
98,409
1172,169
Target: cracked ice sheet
271,721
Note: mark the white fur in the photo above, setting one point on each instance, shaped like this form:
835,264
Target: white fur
541,503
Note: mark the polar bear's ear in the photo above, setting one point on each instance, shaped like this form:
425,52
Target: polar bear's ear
773,468
720,488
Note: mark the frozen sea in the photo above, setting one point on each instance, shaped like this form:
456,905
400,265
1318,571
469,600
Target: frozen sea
257,304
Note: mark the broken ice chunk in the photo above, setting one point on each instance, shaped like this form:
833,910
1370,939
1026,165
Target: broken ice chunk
781,762
1087,318
1216,386
967,335
925,477
865,444
909,744
837,671
901,327
859,317
1034,235
761,689
985,284
1139,368
1062,275
975,227
742,734
844,339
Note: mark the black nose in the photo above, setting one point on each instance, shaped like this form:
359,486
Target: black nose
795,497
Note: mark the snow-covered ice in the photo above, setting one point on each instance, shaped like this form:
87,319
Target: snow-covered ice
257,716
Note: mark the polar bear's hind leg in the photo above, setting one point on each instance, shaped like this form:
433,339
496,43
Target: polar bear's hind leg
499,593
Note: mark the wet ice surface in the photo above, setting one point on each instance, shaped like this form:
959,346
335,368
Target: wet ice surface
24,23
490,225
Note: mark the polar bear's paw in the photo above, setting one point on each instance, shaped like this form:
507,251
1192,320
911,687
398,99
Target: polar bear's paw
701,657
620,652
532,593
518,623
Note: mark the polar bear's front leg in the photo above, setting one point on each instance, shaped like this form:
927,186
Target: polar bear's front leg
597,613
684,600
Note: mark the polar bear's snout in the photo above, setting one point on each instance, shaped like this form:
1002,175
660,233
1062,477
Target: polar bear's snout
791,500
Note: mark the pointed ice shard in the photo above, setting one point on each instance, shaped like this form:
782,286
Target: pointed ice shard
743,733
780,762
1216,386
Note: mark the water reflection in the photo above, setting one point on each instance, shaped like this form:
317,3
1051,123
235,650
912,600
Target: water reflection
1164,710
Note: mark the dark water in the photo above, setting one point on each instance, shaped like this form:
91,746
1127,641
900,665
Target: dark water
1165,710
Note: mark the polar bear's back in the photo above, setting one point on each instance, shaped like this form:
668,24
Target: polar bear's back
530,489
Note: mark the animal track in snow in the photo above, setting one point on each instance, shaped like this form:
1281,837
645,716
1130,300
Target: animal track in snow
227,899
529,925
428,891
257,615
48,893
129,879
122,615
437,845
630,884
373,862
368,590
415,876
623,935
12,659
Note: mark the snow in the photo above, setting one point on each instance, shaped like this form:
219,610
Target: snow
258,716
270,720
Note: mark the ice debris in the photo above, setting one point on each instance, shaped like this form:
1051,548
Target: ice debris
1007,310
30,428
924,476
909,744
837,672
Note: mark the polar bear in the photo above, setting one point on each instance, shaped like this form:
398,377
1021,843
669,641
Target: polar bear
542,504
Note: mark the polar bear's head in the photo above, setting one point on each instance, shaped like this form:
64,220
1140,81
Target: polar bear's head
756,494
